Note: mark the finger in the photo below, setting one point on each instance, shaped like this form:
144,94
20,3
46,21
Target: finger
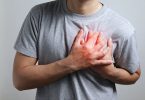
99,55
101,37
92,40
78,38
103,48
101,42
100,45
89,35
82,42
110,44
105,51
103,62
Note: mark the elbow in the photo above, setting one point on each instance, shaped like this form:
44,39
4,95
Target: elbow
17,84
137,76
18,87
132,82
21,83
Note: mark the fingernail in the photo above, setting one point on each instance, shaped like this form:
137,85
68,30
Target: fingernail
82,42
81,30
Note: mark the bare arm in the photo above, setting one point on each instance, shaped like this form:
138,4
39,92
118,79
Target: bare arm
117,75
28,75
121,76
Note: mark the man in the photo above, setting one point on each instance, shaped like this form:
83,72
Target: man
74,65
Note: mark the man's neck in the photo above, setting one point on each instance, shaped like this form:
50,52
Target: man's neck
85,7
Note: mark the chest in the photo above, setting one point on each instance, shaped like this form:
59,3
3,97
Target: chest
56,38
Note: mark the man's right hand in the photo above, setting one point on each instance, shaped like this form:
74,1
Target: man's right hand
87,52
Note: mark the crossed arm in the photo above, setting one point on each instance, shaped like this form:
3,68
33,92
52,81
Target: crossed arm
84,53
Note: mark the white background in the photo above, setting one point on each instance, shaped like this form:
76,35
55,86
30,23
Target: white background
12,14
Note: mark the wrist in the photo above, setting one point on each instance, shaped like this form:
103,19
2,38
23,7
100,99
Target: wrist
110,72
65,65
70,63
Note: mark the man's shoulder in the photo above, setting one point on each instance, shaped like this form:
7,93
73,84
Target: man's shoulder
47,6
121,26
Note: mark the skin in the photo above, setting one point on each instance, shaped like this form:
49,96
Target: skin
28,75
84,7
117,75
85,53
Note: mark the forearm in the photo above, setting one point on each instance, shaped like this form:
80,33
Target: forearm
121,76
40,75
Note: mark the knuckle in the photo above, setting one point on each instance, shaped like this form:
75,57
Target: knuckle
92,62
104,53
86,47
100,54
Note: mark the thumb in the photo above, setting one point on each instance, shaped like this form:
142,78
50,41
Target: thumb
78,38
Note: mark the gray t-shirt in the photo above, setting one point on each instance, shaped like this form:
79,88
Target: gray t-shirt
48,33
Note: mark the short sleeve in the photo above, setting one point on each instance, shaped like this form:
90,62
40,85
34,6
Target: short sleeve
27,40
126,54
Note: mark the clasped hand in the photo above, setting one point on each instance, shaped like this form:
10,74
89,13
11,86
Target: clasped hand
93,51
